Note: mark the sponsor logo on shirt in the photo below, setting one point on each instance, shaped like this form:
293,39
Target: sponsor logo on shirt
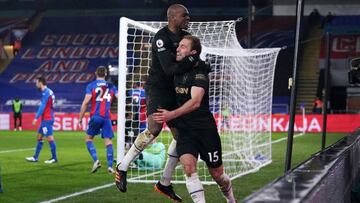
181,90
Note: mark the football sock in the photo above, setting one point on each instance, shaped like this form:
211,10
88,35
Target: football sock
140,143
195,188
110,154
92,150
53,149
170,165
225,187
38,149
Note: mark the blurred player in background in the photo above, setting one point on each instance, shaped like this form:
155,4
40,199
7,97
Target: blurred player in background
138,110
160,93
136,114
198,133
101,94
46,111
17,110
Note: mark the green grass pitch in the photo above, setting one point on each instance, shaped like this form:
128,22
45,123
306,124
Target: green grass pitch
36,182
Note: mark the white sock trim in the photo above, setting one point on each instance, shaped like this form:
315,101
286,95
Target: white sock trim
195,188
170,165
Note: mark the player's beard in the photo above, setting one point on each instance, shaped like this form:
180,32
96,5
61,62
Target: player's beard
185,25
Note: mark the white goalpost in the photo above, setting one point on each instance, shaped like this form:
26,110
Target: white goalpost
240,95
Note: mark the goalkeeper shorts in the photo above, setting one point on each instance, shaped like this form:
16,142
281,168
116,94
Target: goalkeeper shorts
203,142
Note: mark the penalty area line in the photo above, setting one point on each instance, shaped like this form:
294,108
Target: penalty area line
16,150
79,193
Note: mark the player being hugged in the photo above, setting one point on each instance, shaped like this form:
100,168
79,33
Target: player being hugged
46,111
160,93
198,133
101,94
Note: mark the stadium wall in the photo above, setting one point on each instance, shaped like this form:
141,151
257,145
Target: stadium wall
279,123
338,9
327,176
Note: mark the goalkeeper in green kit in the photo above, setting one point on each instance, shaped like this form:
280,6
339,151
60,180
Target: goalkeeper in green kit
152,158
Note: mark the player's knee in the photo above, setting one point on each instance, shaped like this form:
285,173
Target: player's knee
218,174
50,138
108,142
189,169
153,127
217,177
143,140
155,130
88,139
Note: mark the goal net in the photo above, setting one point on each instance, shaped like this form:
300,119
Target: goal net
241,87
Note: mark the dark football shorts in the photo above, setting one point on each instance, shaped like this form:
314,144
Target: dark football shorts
160,98
203,142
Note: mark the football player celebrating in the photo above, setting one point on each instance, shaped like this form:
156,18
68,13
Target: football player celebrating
160,93
198,133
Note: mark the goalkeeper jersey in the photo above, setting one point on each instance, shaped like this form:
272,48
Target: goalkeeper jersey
153,157
201,118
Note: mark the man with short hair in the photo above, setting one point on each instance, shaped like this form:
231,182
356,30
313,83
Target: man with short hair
46,111
198,133
101,94
160,93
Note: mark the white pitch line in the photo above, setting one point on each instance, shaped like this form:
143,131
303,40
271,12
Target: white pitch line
111,184
285,138
79,193
16,150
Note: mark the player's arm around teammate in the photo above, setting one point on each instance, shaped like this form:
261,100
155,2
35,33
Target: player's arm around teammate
160,92
198,135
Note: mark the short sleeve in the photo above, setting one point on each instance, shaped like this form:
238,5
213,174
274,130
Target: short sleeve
115,90
201,79
88,89
161,43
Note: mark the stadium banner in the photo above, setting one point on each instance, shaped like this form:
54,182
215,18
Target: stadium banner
280,123
66,51
4,121
343,49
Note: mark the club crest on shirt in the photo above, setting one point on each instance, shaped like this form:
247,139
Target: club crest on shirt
200,77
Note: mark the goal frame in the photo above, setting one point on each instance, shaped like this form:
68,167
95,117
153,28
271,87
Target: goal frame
122,72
